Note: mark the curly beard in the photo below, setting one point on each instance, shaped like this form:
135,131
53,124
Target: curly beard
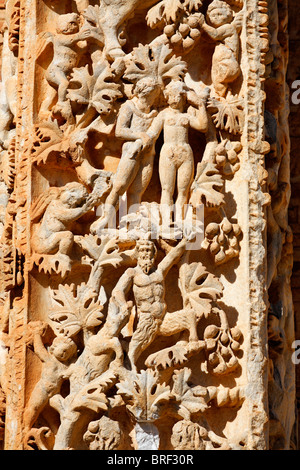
146,265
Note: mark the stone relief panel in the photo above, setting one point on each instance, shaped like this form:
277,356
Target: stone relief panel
280,236
125,231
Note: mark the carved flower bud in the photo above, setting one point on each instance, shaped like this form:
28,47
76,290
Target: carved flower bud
236,229
222,397
221,239
94,427
210,344
224,337
213,359
235,346
221,256
224,351
233,244
220,369
233,362
237,146
232,156
230,252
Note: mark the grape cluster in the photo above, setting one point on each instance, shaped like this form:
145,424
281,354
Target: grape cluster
184,34
222,240
221,346
226,157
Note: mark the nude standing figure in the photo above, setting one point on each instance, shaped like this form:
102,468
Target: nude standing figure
176,161
136,165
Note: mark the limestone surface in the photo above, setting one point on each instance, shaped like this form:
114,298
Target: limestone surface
145,251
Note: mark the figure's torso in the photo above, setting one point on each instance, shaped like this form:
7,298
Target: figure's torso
149,293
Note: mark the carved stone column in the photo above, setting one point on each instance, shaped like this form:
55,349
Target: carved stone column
145,247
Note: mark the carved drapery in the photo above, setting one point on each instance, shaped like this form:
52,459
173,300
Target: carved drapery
144,328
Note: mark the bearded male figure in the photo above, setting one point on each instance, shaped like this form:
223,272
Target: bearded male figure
148,285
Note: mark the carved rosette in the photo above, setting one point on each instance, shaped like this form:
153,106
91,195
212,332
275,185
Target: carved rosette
134,307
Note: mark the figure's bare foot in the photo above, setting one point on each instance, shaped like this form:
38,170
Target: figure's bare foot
99,225
63,109
115,53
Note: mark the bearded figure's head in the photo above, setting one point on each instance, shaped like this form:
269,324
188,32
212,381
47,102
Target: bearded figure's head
146,254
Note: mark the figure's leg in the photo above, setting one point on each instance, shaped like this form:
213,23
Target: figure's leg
38,400
66,241
57,78
176,322
126,171
219,86
141,180
184,180
47,104
61,242
82,5
167,176
125,174
113,47
224,71
62,89
142,338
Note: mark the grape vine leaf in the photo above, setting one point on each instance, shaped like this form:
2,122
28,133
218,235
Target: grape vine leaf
208,186
144,395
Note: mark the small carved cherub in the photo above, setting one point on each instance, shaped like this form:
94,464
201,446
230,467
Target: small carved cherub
56,363
223,28
66,55
176,161
59,208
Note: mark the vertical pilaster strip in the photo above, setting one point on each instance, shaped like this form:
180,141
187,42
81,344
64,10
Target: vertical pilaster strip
20,298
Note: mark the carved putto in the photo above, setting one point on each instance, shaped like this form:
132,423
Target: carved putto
133,139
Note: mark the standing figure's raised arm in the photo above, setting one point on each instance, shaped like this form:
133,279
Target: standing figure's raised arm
123,126
122,288
156,127
172,257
